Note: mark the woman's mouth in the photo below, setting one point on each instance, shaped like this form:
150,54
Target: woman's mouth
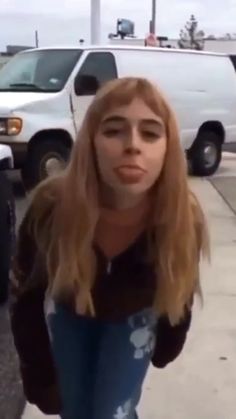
130,173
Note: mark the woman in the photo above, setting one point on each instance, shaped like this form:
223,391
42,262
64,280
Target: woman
107,262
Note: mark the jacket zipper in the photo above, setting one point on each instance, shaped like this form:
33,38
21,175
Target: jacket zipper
109,267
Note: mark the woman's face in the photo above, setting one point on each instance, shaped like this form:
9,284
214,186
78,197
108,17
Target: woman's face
130,148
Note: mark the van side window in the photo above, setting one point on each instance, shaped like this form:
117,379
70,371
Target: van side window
98,66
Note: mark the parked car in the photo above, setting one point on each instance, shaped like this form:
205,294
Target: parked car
7,221
44,94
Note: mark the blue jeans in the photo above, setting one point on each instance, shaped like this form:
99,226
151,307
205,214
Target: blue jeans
101,366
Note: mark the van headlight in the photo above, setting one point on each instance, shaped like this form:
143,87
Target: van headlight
10,126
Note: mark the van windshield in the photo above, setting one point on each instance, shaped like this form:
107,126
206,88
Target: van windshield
38,70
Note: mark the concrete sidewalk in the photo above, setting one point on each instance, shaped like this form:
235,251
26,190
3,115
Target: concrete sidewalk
201,384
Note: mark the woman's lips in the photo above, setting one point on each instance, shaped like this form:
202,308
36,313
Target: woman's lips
130,174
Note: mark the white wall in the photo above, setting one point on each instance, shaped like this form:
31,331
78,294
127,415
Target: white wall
228,47
224,46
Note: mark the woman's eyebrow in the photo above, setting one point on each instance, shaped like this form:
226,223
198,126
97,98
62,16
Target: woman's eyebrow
157,122
118,118
114,118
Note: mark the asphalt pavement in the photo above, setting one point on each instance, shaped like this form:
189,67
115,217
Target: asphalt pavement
11,395
12,400
201,383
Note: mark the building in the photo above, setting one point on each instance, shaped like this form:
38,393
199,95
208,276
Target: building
226,46
11,50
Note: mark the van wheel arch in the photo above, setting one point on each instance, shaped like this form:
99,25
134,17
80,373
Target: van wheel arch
213,126
59,134
206,152
48,144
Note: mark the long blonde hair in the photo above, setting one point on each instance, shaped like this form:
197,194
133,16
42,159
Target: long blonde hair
66,210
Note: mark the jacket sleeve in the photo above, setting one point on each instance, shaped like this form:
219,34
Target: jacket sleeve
170,340
28,324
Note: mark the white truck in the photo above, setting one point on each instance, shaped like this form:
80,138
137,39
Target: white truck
44,94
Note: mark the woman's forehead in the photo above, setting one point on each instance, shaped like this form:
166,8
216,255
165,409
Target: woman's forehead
137,107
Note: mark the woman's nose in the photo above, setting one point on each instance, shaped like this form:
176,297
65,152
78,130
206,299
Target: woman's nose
133,143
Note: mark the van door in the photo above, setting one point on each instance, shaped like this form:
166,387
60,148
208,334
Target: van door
97,68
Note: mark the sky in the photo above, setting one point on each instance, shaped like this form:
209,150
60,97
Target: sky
61,22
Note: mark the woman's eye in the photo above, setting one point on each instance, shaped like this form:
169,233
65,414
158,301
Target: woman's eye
151,135
111,132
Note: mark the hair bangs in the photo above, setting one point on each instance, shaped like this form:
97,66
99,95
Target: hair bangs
122,92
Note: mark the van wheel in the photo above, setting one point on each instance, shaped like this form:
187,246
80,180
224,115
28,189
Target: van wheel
45,158
206,154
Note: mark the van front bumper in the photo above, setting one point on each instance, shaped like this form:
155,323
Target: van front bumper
19,151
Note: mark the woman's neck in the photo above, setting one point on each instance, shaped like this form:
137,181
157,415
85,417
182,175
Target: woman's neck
118,228
116,201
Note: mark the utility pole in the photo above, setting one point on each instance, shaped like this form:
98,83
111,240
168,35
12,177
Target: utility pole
153,21
36,39
95,21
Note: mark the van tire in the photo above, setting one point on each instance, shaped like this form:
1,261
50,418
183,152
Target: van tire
206,153
35,169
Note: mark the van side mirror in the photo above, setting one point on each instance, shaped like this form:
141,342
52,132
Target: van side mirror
86,85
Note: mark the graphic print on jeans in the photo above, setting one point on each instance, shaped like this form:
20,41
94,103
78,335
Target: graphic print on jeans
101,366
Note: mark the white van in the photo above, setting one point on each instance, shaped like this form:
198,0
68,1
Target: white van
44,94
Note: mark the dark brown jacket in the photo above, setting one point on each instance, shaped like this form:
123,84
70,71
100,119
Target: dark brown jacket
126,288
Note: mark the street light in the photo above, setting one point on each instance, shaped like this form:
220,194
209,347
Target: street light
95,21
